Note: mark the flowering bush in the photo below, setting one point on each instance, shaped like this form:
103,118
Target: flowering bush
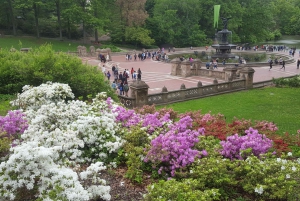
234,146
270,178
13,123
33,167
174,149
34,97
153,122
61,135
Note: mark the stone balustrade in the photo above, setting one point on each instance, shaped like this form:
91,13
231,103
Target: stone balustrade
140,96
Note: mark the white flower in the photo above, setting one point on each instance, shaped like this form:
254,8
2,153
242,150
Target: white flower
191,171
287,176
278,160
290,154
259,190
294,168
282,167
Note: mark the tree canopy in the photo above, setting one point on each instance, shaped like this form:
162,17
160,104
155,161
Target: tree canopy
150,22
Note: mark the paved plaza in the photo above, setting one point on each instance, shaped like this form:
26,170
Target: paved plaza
158,74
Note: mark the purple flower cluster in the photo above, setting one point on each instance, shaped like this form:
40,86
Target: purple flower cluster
127,117
235,144
13,123
151,121
174,149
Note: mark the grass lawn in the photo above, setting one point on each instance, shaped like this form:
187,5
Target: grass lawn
18,42
278,105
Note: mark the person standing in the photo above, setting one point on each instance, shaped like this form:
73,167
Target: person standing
139,76
121,76
114,86
103,69
132,72
121,88
283,65
298,63
139,71
126,89
108,75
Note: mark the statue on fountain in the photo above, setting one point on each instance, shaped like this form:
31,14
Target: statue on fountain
225,21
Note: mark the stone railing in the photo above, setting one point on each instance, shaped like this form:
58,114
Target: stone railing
140,96
200,91
127,101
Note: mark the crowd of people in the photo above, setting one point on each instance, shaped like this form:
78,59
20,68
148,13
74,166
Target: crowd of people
120,82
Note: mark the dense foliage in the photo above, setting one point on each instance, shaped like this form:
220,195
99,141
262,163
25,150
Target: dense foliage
59,147
43,64
287,82
149,22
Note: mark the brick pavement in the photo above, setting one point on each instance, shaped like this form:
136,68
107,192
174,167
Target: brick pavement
157,74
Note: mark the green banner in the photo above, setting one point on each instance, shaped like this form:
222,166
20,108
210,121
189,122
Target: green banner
216,15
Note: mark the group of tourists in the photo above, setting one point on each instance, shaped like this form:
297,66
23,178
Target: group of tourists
120,83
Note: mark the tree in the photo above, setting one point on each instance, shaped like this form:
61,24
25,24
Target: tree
138,35
177,22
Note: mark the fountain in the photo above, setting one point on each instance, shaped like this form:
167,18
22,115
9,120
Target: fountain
223,49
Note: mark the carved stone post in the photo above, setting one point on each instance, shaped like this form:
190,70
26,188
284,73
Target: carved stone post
197,64
185,68
79,50
98,50
200,88
165,92
215,82
230,73
92,51
247,73
182,94
139,91
175,66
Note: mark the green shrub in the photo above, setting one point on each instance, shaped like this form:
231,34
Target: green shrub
287,82
43,64
180,190
4,145
113,48
134,153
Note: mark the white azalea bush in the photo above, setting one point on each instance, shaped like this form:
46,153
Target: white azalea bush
34,97
61,135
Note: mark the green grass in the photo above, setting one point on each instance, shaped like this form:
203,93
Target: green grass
4,103
278,105
32,42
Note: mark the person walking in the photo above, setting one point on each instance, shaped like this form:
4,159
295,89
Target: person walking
283,65
271,63
298,63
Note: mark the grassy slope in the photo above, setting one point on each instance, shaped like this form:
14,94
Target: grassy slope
31,42
278,105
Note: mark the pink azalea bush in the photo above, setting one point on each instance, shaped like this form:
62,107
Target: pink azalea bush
174,149
13,123
235,144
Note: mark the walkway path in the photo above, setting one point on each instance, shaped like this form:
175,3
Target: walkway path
157,74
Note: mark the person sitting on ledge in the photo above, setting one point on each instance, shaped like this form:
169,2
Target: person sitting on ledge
207,65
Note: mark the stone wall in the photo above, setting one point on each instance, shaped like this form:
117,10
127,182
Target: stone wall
140,96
